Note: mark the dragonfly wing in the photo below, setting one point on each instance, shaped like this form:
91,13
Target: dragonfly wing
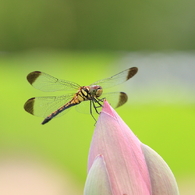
45,82
115,99
84,107
44,106
117,79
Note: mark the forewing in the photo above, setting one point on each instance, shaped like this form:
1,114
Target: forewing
45,82
118,78
44,106
115,99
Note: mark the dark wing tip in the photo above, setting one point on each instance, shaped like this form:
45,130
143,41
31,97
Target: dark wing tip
29,106
31,77
132,71
122,99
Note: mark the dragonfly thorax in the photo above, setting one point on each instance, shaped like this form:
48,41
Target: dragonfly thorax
95,90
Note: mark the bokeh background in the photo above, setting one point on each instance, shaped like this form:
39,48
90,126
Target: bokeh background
84,41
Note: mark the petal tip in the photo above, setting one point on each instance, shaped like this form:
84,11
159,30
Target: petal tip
108,109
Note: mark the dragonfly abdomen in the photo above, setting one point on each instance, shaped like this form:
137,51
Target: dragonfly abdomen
80,96
58,111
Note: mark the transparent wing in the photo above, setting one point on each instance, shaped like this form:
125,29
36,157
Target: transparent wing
45,82
84,107
44,106
115,99
117,79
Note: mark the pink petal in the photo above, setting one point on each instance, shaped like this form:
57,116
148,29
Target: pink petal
122,153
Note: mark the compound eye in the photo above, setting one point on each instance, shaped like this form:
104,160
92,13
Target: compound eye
99,92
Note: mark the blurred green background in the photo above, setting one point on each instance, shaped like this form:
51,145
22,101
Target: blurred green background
91,40
97,25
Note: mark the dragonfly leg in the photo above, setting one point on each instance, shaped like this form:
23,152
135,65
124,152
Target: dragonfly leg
93,103
98,102
91,112
95,107
101,100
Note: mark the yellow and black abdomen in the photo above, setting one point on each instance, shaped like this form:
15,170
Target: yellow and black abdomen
82,95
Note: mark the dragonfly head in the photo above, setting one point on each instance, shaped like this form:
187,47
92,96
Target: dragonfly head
95,90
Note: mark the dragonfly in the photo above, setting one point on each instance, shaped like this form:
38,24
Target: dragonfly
49,107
